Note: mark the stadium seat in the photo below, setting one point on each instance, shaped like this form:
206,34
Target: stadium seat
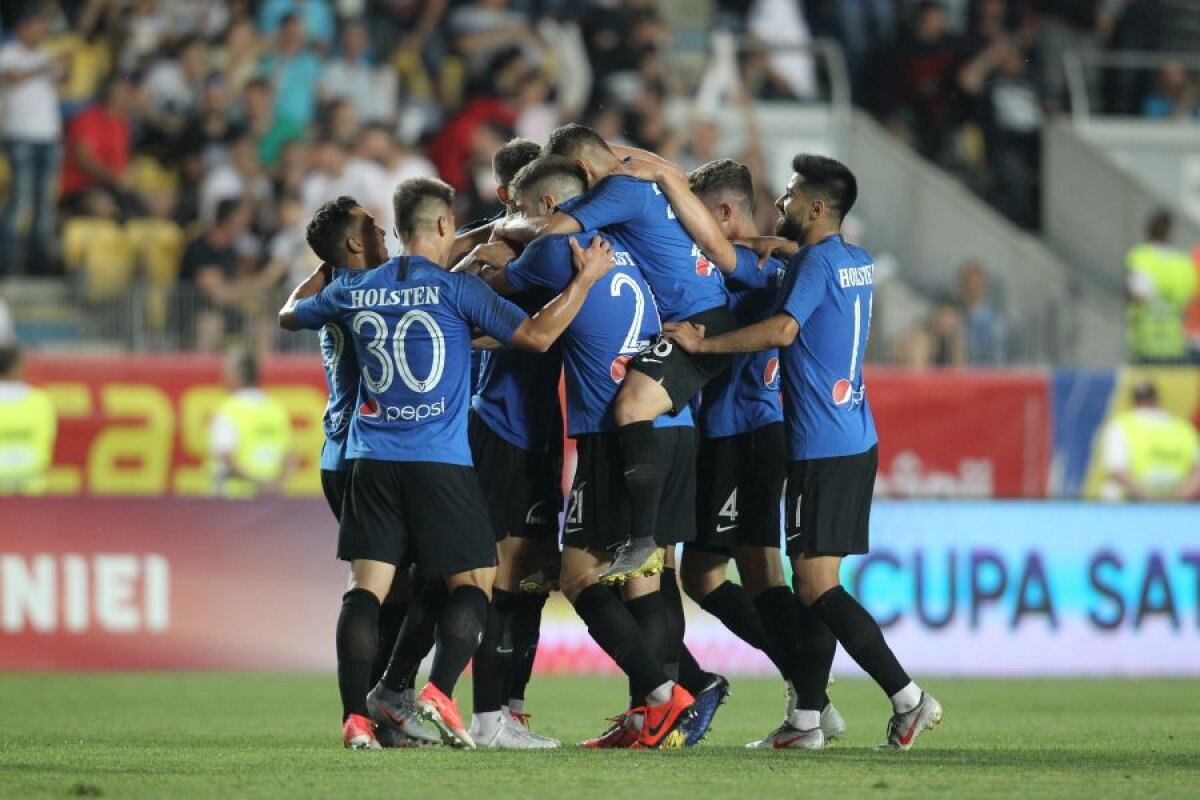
98,250
157,246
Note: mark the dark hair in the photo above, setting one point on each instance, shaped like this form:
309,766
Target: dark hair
327,230
410,202
1158,227
258,83
546,168
573,140
227,209
828,179
245,363
511,156
10,357
289,18
1144,392
724,175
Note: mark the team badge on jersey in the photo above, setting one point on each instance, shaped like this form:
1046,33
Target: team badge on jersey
771,375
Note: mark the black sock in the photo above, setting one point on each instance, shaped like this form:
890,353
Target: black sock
650,613
729,603
860,635
357,639
776,608
526,630
459,629
416,635
493,659
691,676
644,475
611,625
817,646
676,622
391,617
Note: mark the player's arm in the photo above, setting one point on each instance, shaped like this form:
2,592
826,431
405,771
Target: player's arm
465,242
767,246
310,287
540,331
488,261
486,343
689,209
778,331
522,229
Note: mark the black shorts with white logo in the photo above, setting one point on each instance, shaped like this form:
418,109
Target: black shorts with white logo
681,373
829,504
420,511
333,485
598,513
522,499
739,488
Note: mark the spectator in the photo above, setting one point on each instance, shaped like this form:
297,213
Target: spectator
8,329
863,26
1161,283
271,131
28,426
395,163
783,32
316,16
1175,96
98,144
371,89
986,331
294,71
483,29
239,55
210,270
937,342
211,130
250,434
333,176
173,88
242,178
1149,453
32,130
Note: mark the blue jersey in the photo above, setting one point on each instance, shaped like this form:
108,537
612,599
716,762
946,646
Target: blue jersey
684,281
341,376
410,322
618,318
747,396
829,290
517,394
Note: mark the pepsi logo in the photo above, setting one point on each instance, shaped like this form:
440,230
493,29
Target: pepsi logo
618,368
369,408
771,374
704,267
843,392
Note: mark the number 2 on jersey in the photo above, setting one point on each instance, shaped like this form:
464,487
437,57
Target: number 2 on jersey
632,343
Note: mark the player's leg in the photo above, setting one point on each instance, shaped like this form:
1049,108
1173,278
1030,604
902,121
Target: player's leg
527,616
391,618
392,702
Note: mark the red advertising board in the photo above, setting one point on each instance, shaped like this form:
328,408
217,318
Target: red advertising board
138,426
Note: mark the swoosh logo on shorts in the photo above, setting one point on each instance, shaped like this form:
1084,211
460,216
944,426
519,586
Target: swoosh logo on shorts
723,528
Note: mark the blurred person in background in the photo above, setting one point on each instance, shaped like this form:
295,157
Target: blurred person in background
271,131
1161,283
317,16
395,163
98,145
355,77
1175,96
986,329
28,426
209,267
172,90
294,72
32,131
1149,453
939,341
250,434
239,178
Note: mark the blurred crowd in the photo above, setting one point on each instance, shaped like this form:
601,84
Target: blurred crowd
180,146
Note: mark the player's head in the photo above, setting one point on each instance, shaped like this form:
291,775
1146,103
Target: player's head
585,147
425,216
343,234
819,195
727,188
10,362
241,369
1158,227
1144,393
507,162
544,183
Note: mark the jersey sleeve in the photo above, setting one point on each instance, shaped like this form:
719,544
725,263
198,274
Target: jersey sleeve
611,201
487,310
746,272
312,313
804,287
544,264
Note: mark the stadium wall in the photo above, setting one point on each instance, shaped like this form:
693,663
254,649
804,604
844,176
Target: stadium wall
962,588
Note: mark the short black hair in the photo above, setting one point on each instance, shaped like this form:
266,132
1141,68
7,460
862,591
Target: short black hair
412,203
10,358
511,156
724,176
1158,227
226,210
327,230
245,364
573,140
828,179
567,175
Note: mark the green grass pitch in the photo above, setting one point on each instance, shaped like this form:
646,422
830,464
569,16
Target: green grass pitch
164,735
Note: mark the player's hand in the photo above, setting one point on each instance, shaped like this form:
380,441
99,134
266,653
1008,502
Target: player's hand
687,335
595,262
766,246
639,168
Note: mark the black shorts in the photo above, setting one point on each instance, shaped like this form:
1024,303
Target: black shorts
515,483
598,514
681,373
333,484
829,504
428,513
739,488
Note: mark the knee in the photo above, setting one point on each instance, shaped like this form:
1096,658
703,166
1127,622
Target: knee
481,579
572,584
696,583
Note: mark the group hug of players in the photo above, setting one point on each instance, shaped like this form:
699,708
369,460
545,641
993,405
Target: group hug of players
672,322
